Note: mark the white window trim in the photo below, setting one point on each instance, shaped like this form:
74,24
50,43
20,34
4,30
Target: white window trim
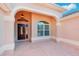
44,30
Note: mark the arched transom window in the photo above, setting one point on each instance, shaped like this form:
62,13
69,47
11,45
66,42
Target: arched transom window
43,28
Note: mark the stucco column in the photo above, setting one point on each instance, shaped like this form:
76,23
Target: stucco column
9,32
58,31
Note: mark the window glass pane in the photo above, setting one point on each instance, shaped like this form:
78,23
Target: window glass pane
40,27
46,27
40,33
46,33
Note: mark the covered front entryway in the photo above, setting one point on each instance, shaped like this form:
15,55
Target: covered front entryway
23,26
23,23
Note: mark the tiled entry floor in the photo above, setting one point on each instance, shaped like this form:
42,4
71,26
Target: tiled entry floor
43,48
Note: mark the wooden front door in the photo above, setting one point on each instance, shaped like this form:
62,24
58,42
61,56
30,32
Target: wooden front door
22,32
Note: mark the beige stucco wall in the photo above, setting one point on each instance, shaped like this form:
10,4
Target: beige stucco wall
70,28
68,31
40,17
1,30
33,19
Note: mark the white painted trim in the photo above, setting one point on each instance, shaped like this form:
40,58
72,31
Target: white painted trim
32,9
6,47
70,16
69,41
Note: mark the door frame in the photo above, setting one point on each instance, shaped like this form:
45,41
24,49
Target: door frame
16,25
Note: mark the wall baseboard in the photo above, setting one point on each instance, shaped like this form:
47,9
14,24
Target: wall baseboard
6,47
69,41
34,39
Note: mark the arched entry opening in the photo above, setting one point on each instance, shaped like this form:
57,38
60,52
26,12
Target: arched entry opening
23,26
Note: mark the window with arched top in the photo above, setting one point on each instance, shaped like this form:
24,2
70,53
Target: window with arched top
43,28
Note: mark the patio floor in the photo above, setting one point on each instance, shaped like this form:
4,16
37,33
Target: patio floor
43,48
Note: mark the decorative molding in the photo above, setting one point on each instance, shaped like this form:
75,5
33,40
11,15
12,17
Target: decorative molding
6,47
35,10
50,6
4,8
